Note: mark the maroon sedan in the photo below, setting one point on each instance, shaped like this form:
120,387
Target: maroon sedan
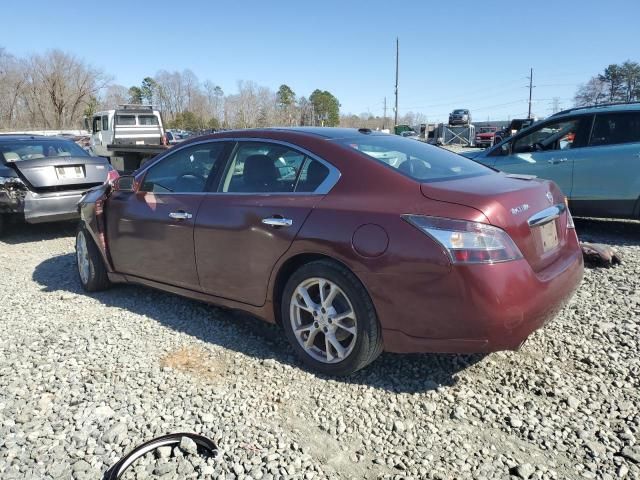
354,241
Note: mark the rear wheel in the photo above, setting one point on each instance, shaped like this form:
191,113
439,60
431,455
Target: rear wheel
91,268
329,319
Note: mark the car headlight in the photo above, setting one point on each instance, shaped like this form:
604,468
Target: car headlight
467,242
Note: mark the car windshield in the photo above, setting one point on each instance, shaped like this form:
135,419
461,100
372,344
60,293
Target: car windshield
459,112
415,159
15,151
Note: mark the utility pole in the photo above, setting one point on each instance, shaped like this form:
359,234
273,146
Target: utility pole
556,104
530,90
395,119
384,116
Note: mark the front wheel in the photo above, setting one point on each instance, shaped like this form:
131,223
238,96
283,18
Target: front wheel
91,269
329,319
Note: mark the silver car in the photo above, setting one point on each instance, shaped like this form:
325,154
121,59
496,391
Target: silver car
43,178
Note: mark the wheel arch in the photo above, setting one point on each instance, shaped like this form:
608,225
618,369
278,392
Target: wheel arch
292,264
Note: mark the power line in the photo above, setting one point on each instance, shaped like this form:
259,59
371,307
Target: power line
397,64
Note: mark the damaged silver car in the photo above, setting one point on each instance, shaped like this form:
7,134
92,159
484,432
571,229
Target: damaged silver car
43,178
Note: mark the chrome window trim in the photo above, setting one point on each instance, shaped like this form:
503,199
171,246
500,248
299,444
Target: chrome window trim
547,215
325,187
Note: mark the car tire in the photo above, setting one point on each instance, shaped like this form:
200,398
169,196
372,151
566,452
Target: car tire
91,269
3,224
359,335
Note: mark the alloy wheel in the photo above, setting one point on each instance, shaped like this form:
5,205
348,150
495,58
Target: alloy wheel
323,320
82,256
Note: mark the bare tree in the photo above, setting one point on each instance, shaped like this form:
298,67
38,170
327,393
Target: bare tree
59,86
593,92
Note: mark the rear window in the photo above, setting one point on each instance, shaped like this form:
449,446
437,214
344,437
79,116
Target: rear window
147,120
32,149
125,119
415,159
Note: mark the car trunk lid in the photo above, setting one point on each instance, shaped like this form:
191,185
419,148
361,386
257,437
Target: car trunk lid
62,173
512,203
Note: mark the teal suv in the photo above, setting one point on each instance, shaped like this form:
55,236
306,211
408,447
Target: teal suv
592,153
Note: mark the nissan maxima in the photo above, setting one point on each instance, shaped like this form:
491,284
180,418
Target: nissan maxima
43,178
353,241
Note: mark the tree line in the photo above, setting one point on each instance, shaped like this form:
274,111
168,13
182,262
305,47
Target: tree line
55,90
617,83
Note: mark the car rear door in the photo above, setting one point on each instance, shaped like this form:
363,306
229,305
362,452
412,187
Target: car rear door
242,230
548,151
606,180
150,231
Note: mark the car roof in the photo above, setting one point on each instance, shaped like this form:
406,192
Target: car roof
603,108
317,132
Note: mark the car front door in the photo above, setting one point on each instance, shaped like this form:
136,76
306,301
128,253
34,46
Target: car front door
263,199
150,231
547,151
606,182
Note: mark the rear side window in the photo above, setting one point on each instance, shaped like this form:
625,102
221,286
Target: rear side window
147,120
415,159
105,122
613,128
125,119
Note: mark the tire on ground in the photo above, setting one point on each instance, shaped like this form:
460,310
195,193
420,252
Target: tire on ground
97,278
369,335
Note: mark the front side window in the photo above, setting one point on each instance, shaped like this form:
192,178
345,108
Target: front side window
97,124
263,168
613,128
415,159
105,122
186,170
126,120
33,149
560,135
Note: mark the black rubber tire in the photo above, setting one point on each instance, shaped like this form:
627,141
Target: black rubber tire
98,278
3,224
369,335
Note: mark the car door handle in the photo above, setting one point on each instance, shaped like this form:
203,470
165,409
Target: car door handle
277,221
555,161
180,215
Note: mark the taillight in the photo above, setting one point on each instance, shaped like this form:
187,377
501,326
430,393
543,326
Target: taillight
467,242
112,175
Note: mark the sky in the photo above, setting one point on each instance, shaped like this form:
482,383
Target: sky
464,54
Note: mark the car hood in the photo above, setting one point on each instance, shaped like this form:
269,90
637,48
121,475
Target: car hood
507,201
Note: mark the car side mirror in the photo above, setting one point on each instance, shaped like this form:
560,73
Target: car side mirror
125,183
505,149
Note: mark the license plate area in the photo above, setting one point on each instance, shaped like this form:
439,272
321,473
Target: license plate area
548,234
70,172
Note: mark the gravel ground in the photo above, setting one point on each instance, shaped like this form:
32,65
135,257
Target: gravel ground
84,378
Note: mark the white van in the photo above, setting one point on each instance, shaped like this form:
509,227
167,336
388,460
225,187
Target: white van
128,125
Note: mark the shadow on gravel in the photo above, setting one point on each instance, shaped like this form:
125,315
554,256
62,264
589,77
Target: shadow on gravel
251,336
610,231
19,233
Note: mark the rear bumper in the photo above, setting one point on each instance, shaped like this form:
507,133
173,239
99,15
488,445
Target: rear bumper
50,207
477,308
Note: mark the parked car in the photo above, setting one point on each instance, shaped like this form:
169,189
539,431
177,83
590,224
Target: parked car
42,178
485,136
173,137
592,153
514,127
451,257
461,116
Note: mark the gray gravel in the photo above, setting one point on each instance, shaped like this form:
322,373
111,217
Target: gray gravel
85,378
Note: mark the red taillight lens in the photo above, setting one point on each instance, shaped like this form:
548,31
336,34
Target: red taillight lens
468,242
112,176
